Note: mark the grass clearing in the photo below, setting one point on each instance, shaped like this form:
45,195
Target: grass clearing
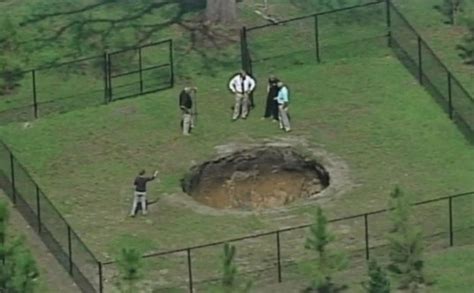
360,105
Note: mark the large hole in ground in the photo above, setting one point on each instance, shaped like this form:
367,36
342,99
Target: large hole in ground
262,177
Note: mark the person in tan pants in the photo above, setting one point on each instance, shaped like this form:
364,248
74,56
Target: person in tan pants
242,86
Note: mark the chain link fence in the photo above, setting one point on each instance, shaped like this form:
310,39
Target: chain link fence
90,82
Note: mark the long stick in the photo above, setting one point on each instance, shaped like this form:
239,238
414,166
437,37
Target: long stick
195,113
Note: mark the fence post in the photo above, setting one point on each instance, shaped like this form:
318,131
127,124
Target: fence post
451,235
190,270
171,63
367,247
389,23
450,96
316,37
101,282
38,208
278,255
420,62
106,78
243,48
140,68
35,98
12,169
109,76
69,246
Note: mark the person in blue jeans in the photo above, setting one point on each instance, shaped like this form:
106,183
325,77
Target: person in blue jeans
139,194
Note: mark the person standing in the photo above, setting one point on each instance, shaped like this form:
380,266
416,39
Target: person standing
186,106
139,195
282,100
271,109
242,86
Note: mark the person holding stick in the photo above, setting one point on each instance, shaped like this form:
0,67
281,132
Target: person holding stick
139,194
186,106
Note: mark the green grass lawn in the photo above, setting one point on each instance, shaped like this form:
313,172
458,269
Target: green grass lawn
360,107
86,160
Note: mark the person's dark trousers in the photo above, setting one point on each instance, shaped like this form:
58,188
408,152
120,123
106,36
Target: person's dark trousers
271,108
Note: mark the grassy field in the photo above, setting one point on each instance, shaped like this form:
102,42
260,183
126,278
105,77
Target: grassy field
85,160
360,107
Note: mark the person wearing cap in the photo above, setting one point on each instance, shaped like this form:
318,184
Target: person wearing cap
139,194
242,86
186,106
282,99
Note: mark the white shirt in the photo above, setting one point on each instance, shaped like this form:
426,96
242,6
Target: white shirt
242,85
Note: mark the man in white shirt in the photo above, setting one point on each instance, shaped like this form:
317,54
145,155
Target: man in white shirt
242,86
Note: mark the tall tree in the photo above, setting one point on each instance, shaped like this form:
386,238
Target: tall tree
466,47
328,262
18,271
221,11
450,9
405,244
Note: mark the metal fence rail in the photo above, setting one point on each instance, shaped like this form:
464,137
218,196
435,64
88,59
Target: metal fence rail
431,72
314,35
61,240
91,81
445,222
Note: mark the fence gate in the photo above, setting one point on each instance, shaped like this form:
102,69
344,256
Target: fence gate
140,70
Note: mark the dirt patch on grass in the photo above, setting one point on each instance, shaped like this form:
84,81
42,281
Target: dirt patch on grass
337,169
256,178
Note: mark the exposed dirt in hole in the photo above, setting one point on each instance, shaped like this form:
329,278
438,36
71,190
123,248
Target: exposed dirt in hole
261,177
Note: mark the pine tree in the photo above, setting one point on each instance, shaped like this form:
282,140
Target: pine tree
229,268
130,267
229,282
405,243
378,280
18,271
450,10
466,48
327,262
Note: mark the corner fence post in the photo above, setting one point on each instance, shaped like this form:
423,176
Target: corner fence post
190,270
12,169
35,98
243,48
450,96
451,235
69,246
109,77
420,62
106,78
366,225
389,22
278,255
140,69
101,277
316,37
172,63
38,208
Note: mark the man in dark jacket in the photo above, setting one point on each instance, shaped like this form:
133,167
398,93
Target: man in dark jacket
271,109
139,195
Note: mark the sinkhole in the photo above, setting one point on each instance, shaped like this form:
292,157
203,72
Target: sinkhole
257,178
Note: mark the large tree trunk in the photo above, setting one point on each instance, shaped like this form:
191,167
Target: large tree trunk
221,11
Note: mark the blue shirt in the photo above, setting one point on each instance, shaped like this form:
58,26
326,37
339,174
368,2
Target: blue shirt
282,95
